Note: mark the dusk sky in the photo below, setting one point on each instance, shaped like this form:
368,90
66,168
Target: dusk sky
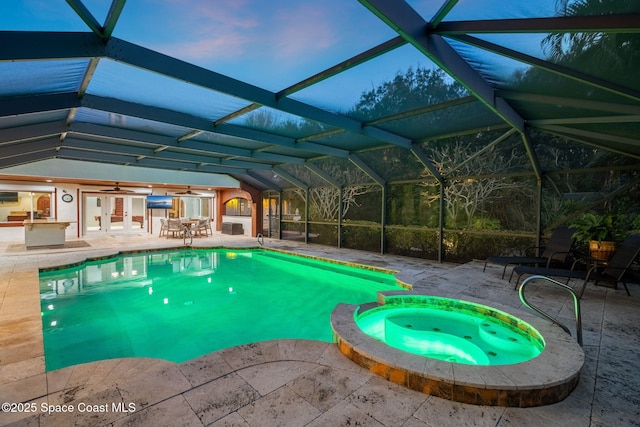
271,44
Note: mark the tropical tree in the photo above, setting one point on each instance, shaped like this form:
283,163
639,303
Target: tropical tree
615,55
411,89
477,182
324,201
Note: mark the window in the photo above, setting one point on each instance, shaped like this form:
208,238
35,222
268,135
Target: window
238,207
16,206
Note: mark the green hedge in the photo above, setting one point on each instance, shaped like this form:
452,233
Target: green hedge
323,234
362,237
464,246
413,242
292,231
417,242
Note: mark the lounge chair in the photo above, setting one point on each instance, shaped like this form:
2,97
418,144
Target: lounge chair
613,272
556,250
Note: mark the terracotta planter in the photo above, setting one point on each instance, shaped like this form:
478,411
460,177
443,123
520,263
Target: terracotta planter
602,251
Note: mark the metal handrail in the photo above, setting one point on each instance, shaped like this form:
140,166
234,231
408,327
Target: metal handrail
576,305
186,233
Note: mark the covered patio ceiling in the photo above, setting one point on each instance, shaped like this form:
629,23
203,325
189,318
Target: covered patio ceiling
243,89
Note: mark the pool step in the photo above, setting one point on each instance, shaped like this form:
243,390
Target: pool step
437,345
502,338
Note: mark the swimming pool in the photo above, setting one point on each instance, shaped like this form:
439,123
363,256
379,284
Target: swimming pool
181,304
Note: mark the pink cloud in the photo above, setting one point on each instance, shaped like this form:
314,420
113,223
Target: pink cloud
206,30
301,30
217,47
228,28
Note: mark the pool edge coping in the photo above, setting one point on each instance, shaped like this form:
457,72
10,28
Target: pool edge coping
113,254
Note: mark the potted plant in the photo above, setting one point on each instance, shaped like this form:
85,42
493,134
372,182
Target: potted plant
600,232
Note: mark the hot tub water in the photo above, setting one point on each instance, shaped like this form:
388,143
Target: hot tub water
453,331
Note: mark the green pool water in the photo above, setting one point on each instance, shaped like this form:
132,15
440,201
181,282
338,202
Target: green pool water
452,330
178,305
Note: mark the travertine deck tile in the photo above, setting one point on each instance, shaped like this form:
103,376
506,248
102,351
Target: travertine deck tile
156,385
205,368
326,386
220,397
209,390
174,411
267,377
345,414
281,407
385,401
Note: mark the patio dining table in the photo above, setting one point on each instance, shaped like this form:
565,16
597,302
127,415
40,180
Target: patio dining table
191,223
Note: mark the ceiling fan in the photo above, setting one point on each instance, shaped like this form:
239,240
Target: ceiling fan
188,192
116,189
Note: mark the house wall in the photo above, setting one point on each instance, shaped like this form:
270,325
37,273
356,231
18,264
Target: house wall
73,211
252,195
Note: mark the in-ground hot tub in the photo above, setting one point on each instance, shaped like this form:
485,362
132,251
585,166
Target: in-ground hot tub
460,350
452,330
